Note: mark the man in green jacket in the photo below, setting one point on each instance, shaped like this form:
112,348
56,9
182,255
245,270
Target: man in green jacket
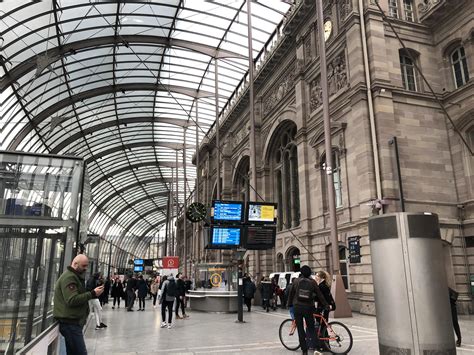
71,306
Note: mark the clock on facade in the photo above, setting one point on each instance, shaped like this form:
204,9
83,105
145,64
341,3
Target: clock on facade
327,29
196,212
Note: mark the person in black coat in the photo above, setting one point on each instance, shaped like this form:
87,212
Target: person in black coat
142,288
324,282
180,296
453,297
117,292
130,289
267,293
248,291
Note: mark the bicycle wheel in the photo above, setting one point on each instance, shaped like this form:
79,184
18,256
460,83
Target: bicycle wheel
337,338
289,335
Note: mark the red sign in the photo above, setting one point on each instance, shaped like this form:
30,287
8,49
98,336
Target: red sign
170,262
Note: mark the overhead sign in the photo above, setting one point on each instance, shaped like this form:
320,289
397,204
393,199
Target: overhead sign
261,212
227,211
354,249
170,262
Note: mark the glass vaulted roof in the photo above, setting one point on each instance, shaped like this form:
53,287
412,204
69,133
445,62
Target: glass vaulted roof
118,83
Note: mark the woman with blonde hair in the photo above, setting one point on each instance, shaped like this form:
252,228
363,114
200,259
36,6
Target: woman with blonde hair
324,282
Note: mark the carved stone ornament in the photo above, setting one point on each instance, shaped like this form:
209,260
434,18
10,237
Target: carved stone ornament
316,94
426,5
337,80
307,49
280,89
345,8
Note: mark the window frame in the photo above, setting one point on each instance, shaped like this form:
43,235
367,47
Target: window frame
336,162
404,72
462,62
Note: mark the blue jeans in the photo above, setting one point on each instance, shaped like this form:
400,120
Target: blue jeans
74,338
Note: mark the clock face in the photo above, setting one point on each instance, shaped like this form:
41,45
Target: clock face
196,212
327,29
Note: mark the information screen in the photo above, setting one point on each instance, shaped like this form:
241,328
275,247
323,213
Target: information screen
138,262
227,211
138,268
225,236
258,212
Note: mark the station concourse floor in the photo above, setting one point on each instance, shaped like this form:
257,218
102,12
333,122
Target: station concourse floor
139,333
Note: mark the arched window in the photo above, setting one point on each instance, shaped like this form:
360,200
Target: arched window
242,181
285,172
408,72
459,65
336,173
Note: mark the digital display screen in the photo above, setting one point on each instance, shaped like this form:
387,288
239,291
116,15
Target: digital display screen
138,268
231,211
261,212
226,236
138,262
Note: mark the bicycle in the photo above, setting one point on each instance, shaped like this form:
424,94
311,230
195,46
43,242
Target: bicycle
334,336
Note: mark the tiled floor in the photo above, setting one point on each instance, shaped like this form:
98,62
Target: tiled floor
208,333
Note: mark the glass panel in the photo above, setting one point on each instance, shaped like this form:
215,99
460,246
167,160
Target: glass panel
408,7
393,8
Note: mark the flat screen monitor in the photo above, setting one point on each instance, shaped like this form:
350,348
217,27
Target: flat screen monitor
138,268
138,262
260,237
227,211
261,212
223,237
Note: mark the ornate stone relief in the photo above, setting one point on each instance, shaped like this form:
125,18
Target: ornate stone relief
337,80
345,8
279,90
426,5
307,49
241,134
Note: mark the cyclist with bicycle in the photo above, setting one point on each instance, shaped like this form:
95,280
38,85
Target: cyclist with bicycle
303,295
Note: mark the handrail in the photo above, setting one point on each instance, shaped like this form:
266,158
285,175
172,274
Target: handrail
42,341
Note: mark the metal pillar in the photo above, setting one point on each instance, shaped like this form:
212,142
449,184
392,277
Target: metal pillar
218,153
185,236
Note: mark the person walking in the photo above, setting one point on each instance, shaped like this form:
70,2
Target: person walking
130,290
323,279
453,298
117,292
180,296
267,293
168,295
71,304
303,294
154,288
142,288
94,303
248,291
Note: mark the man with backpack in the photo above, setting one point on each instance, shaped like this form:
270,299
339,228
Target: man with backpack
303,294
168,295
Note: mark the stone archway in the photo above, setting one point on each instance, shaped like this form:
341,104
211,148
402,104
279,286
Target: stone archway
280,262
292,254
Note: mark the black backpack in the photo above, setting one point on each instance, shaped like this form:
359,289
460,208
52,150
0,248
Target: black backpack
171,289
305,290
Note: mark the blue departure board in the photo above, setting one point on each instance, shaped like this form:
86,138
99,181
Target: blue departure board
138,269
226,236
228,211
138,262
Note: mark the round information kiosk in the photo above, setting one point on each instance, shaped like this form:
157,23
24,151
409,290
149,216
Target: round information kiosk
216,288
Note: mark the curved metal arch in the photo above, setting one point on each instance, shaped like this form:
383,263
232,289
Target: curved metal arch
124,169
57,52
125,208
102,91
124,121
129,146
140,163
136,220
115,194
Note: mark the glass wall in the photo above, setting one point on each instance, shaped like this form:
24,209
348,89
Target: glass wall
39,197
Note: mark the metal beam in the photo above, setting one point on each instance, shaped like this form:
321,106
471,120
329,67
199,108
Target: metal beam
124,121
71,48
103,90
136,220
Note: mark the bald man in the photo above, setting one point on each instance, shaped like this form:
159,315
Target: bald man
71,304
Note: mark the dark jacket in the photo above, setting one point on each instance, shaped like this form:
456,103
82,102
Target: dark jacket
249,288
142,288
317,295
92,283
71,298
180,287
131,285
117,289
326,291
287,295
267,290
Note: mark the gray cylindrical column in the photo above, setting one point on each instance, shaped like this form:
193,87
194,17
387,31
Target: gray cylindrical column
410,285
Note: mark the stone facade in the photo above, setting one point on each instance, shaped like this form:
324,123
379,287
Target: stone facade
436,166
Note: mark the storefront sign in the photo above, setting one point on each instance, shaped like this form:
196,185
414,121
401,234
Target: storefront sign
170,262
